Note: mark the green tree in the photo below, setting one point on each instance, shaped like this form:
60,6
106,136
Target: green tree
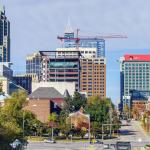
52,120
11,117
135,113
78,101
99,110
72,104
52,117
126,111
1,88
32,126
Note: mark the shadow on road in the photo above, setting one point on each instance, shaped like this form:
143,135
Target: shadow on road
127,132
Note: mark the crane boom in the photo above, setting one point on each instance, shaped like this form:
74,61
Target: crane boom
78,38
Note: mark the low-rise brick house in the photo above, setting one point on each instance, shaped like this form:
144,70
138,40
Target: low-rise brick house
44,101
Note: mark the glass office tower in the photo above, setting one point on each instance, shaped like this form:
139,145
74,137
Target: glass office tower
134,76
4,36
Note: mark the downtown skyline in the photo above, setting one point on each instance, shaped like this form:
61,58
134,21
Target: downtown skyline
34,27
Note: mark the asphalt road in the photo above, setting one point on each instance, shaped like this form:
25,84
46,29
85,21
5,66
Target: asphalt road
63,146
133,133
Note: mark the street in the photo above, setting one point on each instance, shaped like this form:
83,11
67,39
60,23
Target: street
133,133
64,146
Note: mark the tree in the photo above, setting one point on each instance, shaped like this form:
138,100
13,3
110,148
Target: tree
73,104
32,126
1,89
52,120
82,132
11,117
78,101
98,108
126,111
135,113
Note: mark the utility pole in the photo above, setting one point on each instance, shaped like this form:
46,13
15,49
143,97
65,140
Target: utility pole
52,134
102,133
71,128
89,128
23,124
110,117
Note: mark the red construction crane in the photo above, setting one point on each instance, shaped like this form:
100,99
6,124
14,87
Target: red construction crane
78,38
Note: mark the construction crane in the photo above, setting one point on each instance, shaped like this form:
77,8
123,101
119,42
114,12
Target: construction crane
78,38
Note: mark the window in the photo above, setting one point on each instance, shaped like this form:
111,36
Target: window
55,105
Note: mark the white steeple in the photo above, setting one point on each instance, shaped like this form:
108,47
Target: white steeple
2,8
68,28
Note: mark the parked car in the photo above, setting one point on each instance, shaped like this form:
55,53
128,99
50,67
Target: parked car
106,146
49,141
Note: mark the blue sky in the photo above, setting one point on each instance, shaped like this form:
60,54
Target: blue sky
35,25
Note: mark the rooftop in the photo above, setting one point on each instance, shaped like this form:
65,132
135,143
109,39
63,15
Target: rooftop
134,57
45,93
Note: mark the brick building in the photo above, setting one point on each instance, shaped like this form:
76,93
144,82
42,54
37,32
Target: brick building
93,76
44,101
139,105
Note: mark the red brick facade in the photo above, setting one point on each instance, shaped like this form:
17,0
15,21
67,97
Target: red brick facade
43,107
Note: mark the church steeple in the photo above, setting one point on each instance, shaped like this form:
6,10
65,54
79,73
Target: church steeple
69,28
2,9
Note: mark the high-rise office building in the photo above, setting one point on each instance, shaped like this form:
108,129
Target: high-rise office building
93,76
134,78
33,65
61,66
92,71
4,36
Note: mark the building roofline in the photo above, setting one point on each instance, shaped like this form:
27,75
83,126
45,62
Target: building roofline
136,57
42,52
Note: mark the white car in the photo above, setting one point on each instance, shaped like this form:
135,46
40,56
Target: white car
106,146
49,141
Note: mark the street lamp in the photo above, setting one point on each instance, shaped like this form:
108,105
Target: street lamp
89,128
